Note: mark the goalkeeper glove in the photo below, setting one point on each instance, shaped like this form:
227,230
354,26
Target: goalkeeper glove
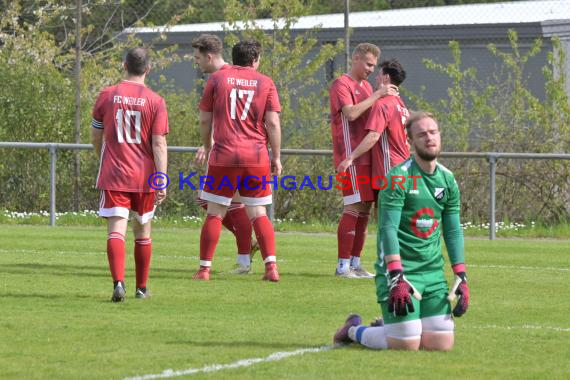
400,301
459,290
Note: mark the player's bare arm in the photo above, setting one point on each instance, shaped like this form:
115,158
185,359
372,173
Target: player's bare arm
201,155
206,131
354,111
159,150
365,145
274,132
97,140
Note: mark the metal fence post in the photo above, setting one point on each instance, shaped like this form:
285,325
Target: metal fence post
53,159
346,36
492,183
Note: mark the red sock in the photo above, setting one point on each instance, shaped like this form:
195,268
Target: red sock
116,255
346,233
265,237
209,238
241,227
360,232
143,252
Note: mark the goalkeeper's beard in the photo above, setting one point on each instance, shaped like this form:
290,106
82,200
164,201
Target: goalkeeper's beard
425,154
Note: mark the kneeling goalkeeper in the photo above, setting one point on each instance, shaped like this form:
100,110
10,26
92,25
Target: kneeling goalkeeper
421,201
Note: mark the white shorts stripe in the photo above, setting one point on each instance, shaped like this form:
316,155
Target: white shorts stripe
224,201
145,218
249,201
385,152
122,212
351,199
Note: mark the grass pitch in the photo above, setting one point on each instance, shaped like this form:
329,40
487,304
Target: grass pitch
57,321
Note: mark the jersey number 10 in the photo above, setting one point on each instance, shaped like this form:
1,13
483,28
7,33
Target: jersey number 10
124,126
240,93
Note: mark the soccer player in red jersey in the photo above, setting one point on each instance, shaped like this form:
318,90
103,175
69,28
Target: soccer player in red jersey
351,97
208,57
241,108
129,129
386,139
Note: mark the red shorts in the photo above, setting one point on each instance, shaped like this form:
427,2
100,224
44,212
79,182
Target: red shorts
253,185
360,189
118,203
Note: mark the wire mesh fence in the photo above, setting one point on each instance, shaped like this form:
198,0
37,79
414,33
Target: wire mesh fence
409,34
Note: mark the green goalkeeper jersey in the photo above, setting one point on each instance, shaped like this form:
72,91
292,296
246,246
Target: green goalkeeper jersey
420,199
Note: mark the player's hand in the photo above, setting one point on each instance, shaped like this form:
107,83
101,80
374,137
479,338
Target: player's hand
159,196
460,290
343,166
276,167
201,156
386,90
401,290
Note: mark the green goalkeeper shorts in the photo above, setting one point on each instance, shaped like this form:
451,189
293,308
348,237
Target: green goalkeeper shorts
431,285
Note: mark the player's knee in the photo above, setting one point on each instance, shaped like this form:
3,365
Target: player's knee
437,342
404,335
255,211
406,345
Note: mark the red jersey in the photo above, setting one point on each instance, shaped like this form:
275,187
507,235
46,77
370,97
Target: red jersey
347,135
388,117
239,97
129,114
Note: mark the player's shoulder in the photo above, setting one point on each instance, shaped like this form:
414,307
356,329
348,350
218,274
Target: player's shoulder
106,95
403,168
222,72
386,104
391,101
444,170
265,79
446,173
153,98
109,90
342,81
220,75
151,93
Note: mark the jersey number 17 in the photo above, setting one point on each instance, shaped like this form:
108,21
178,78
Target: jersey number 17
233,98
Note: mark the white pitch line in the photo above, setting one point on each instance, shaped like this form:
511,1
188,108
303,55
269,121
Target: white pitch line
168,373
518,267
523,327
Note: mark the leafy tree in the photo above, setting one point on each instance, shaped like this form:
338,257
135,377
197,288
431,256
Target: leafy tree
502,115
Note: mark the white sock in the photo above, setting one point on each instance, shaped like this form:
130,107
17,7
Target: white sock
343,265
244,259
355,261
371,337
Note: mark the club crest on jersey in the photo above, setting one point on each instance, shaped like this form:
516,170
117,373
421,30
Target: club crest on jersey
439,193
423,223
